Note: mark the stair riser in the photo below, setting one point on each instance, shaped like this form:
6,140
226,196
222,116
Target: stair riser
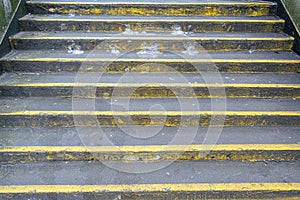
245,155
260,44
184,9
234,91
291,195
152,26
238,119
124,66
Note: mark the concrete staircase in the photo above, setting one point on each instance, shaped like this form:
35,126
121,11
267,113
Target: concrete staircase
150,100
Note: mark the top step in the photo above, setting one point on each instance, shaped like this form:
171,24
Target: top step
154,7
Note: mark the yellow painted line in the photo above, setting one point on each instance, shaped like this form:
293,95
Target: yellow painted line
149,3
152,85
148,38
141,188
250,152
152,20
90,58
151,113
153,148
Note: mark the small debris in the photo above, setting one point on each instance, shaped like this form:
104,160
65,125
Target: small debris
72,13
63,27
32,191
105,95
190,49
128,31
114,50
149,51
127,69
74,49
189,29
252,49
177,30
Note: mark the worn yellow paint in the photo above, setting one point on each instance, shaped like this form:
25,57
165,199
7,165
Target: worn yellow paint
11,42
140,188
150,118
161,38
108,20
150,3
74,28
244,152
183,10
153,113
152,85
153,118
175,60
153,149
157,90
164,8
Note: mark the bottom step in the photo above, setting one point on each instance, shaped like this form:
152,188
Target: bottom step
157,191
179,180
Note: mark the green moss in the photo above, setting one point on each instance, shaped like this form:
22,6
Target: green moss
293,7
2,17
3,21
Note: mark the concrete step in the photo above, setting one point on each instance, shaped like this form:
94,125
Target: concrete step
22,104
101,61
212,113
166,42
92,23
155,191
119,136
152,8
148,112
184,180
152,154
151,85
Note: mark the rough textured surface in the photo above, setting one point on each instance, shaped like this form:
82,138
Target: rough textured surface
146,8
166,42
161,136
150,24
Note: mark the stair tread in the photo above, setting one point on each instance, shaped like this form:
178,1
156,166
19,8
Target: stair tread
52,104
95,173
135,79
109,18
69,136
57,55
99,35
